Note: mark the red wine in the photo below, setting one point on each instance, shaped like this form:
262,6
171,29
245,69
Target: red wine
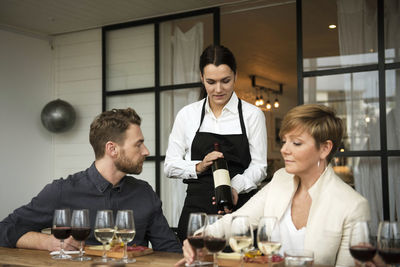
80,234
196,241
214,244
390,255
362,253
222,182
61,232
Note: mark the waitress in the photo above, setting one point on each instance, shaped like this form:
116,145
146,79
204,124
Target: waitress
239,128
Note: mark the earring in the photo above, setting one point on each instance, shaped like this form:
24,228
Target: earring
319,162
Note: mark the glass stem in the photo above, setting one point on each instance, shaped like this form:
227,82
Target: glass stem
125,252
104,257
241,258
62,248
197,255
81,250
270,260
215,260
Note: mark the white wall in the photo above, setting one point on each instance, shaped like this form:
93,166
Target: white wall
25,146
31,75
77,64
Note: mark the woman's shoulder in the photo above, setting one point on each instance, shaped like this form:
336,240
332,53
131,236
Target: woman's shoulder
250,112
192,108
343,190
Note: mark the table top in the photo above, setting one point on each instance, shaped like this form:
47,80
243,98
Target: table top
13,257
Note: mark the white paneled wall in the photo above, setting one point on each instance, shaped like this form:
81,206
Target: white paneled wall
77,64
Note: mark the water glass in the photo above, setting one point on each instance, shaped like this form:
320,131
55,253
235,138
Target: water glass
299,257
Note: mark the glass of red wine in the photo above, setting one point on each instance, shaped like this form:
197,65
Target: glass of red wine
61,230
197,222
389,242
214,236
80,230
362,245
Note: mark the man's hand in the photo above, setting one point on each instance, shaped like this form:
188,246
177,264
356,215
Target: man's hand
54,244
34,240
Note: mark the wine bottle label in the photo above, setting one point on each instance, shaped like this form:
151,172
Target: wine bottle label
221,177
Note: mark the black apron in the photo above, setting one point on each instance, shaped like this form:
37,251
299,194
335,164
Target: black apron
199,193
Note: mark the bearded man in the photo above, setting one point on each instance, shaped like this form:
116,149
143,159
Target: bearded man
118,144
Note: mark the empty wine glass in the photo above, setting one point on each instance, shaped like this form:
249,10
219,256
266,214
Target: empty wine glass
268,237
362,246
241,238
61,230
104,230
389,242
197,222
80,230
214,236
125,230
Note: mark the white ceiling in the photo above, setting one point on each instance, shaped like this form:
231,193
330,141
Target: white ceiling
261,33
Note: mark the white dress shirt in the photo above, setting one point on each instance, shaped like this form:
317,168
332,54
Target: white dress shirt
178,163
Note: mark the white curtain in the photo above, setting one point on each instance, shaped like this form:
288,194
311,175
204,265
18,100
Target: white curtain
180,54
357,25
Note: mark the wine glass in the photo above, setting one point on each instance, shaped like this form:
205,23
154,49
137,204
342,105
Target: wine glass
104,230
268,237
362,246
61,230
241,238
389,242
125,230
80,230
197,222
214,236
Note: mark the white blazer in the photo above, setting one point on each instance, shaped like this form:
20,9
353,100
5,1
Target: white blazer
335,207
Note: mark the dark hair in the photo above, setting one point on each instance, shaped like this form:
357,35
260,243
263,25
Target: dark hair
111,126
319,121
217,55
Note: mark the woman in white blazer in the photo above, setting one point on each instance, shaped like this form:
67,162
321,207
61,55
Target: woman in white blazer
315,208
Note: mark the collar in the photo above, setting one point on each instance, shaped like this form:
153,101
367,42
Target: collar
231,106
100,182
320,185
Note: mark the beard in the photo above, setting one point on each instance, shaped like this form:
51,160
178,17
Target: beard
126,165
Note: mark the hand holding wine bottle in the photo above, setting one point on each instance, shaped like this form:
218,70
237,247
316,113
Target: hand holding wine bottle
222,183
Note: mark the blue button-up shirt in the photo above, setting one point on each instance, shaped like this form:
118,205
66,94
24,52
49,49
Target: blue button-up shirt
89,190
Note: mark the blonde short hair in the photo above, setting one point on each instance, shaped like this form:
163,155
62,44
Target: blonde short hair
319,121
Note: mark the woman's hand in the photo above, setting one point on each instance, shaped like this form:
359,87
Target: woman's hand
235,198
208,160
189,254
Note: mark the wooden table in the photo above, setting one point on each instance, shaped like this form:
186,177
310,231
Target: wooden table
13,257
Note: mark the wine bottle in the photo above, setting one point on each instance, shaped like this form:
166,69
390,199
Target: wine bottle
222,182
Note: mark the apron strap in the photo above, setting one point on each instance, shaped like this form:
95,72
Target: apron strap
241,118
202,114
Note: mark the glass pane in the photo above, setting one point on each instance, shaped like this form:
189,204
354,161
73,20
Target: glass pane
364,174
354,40
171,102
354,96
143,104
394,187
392,32
393,109
172,203
130,58
181,44
148,173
